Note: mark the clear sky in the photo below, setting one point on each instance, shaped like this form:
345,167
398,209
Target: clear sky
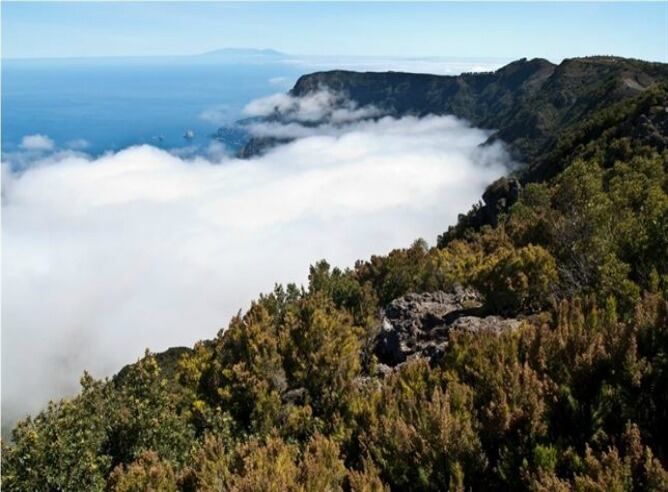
504,30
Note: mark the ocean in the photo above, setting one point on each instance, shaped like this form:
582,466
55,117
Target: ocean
100,105
97,105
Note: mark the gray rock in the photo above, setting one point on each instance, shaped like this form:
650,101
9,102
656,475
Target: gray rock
383,371
499,197
390,344
419,325
474,324
295,396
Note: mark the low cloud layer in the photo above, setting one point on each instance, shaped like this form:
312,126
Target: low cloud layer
433,65
142,248
323,106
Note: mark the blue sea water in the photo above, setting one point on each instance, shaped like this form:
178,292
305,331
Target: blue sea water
96,105
106,104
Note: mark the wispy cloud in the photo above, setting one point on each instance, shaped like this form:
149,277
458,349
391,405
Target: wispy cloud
220,114
323,106
78,144
36,142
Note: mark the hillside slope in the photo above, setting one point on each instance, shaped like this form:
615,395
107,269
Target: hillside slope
528,354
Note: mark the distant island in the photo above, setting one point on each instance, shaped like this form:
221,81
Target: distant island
244,52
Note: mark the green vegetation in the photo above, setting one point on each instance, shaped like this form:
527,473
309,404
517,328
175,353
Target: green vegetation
287,397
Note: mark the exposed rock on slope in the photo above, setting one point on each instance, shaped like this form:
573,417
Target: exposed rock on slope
652,128
496,200
412,326
419,325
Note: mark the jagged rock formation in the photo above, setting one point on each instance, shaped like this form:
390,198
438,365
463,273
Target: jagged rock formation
419,325
496,200
499,197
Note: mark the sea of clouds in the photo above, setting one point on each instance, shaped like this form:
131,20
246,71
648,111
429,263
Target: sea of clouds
104,257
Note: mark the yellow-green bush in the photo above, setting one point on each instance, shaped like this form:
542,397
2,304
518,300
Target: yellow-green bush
518,280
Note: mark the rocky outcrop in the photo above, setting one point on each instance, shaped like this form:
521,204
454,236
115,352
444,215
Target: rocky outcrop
296,396
496,200
499,197
651,128
419,325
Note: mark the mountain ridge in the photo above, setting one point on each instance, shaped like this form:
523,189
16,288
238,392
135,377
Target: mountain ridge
527,102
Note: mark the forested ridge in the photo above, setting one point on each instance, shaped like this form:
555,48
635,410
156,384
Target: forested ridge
295,395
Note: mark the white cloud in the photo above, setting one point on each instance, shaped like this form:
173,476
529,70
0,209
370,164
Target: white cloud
218,115
321,106
36,142
104,257
78,144
432,65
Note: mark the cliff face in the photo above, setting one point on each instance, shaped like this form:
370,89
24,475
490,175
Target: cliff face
529,102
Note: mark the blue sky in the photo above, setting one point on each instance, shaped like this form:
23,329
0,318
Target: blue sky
504,30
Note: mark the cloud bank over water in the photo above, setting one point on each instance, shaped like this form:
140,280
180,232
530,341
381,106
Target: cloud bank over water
142,248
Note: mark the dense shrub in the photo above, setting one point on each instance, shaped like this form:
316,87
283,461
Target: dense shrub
518,280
